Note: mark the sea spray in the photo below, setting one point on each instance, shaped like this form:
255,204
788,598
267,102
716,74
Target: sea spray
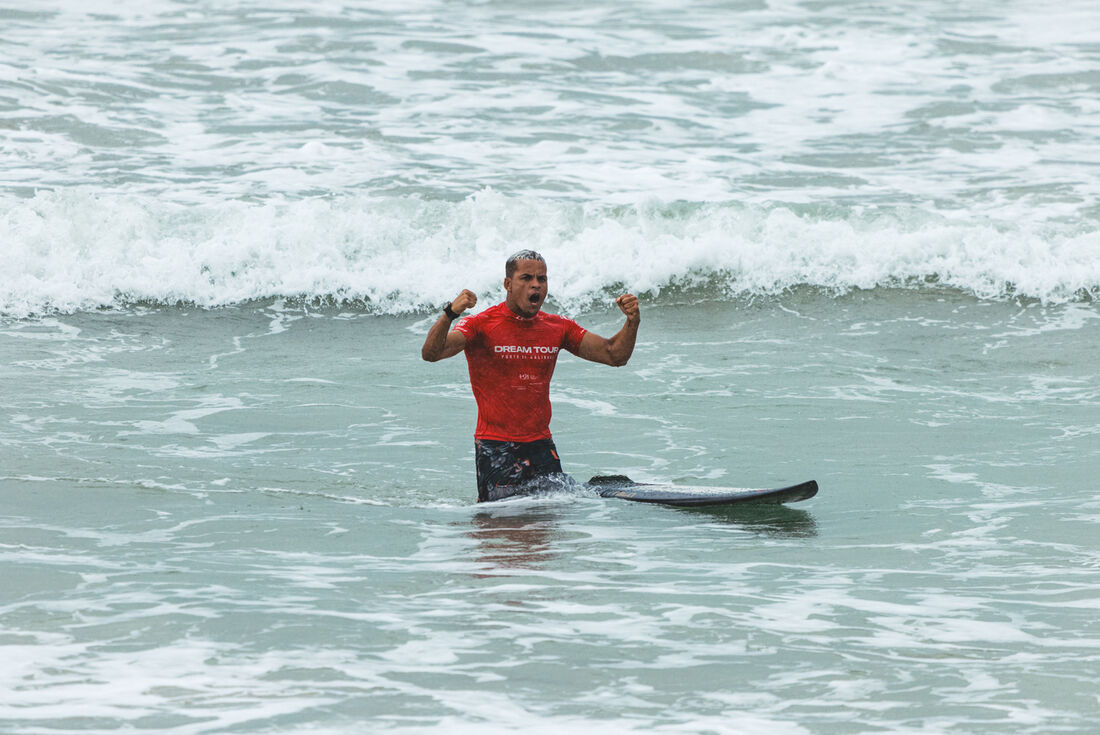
75,250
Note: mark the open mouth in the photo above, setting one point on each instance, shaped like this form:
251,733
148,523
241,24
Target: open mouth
534,298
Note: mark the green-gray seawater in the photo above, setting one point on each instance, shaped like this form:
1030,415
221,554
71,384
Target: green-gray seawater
262,519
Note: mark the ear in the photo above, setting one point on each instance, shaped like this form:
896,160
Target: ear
507,284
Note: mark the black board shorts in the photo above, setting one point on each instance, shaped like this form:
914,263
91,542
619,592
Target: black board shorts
514,468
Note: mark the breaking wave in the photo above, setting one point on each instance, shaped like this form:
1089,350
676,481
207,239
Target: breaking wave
74,250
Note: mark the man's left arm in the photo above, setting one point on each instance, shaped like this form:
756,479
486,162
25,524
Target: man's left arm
617,350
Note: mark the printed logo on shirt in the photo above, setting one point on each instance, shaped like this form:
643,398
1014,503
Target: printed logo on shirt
526,349
535,352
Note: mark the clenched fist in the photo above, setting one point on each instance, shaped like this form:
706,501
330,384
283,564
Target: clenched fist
628,303
465,300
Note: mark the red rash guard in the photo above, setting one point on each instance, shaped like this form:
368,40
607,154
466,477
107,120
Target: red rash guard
511,361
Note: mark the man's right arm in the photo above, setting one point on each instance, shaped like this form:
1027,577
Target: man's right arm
443,342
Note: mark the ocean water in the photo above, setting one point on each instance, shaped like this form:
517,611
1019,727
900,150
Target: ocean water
866,241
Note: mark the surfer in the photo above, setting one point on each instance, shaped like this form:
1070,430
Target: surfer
511,350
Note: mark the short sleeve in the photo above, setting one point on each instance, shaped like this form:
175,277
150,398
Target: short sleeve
468,326
572,334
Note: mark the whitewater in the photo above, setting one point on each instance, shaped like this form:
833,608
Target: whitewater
84,251
172,153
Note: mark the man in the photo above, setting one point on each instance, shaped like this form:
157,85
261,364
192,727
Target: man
511,350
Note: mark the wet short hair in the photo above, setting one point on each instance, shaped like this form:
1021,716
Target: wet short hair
510,264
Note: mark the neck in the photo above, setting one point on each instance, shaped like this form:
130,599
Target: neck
514,308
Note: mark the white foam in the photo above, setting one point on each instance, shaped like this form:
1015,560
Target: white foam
78,250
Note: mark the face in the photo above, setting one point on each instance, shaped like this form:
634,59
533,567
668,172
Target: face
526,290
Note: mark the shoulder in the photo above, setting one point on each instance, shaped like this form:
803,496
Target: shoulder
558,321
493,314
477,322
567,330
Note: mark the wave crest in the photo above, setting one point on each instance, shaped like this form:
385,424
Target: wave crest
72,250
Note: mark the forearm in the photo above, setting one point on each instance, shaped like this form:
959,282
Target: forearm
436,340
621,346
441,342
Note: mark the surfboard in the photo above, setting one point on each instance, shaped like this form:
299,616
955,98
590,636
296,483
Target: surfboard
623,488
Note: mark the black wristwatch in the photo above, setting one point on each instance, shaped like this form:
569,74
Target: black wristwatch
450,312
